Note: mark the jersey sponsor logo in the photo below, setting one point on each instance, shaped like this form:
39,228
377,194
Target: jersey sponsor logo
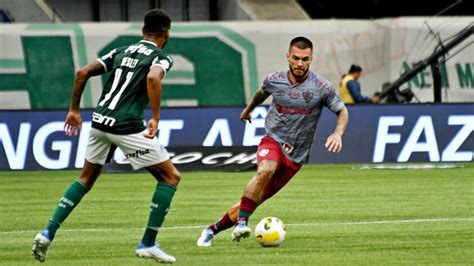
293,110
280,93
102,119
137,154
63,202
263,152
308,96
109,55
140,48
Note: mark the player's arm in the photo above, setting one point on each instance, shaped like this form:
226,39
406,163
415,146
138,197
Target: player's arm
73,120
154,88
259,97
334,141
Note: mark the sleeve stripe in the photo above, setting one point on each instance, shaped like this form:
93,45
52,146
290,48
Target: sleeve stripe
103,64
159,65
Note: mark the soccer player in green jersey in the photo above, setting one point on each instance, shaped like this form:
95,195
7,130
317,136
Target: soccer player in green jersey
135,81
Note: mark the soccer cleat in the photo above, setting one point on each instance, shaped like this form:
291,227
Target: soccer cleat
154,252
41,244
206,238
241,230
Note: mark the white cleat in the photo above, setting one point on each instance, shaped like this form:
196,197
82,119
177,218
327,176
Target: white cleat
41,244
241,230
154,252
206,238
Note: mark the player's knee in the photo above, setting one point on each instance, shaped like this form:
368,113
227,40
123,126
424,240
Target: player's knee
265,172
87,181
174,178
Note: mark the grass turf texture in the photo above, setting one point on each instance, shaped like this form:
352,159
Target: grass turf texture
316,205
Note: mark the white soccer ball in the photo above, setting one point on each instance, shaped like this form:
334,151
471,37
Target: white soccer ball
270,232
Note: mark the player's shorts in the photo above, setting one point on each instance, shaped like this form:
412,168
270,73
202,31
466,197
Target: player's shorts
269,149
139,150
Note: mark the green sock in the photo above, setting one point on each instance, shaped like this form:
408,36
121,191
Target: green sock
244,215
71,198
160,204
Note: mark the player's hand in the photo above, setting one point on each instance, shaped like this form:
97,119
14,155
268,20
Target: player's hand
152,128
245,115
334,143
73,123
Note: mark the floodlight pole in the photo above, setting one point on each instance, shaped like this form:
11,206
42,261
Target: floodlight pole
435,71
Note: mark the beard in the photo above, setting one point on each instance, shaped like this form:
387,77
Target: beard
305,71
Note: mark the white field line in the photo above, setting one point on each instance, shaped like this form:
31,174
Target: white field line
188,227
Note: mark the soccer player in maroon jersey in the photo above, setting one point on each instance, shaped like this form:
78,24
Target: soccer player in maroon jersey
298,98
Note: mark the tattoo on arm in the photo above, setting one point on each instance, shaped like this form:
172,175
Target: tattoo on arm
342,120
93,69
259,97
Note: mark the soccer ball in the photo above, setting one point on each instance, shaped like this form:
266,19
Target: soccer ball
270,232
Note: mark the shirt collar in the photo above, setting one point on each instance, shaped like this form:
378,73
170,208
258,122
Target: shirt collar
152,43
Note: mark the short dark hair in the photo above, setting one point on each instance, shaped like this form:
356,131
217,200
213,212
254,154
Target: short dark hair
355,68
301,43
156,22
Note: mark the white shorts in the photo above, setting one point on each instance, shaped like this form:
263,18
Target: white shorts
139,150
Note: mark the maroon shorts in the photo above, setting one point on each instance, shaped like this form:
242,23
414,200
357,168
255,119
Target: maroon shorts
269,149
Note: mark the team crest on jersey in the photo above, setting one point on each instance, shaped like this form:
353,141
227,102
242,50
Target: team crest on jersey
263,152
294,94
308,96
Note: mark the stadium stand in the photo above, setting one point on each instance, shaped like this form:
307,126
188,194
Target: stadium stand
274,10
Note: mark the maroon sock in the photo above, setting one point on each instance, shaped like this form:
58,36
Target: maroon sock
247,207
224,223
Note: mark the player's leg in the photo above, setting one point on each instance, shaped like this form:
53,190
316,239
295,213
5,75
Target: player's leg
97,151
73,195
229,219
269,158
148,153
225,222
168,178
280,179
252,197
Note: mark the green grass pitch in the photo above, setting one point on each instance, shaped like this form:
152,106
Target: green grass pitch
334,216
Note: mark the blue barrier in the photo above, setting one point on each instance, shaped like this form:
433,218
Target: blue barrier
401,133
395,133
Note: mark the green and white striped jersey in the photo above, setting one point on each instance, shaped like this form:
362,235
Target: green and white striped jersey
124,96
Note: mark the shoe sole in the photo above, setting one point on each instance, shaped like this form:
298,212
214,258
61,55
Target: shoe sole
240,235
36,250
153,258
203,245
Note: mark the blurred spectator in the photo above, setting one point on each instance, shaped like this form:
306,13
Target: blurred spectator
349,88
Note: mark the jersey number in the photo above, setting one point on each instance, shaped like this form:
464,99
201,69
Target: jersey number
113,103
